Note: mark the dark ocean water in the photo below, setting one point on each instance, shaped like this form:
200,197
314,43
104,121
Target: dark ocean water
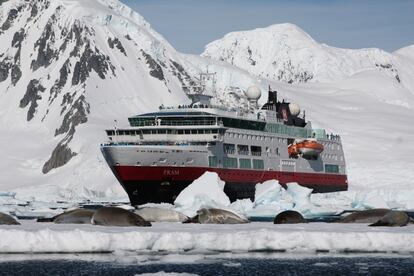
209,265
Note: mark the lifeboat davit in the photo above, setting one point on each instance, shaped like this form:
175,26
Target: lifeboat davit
307,147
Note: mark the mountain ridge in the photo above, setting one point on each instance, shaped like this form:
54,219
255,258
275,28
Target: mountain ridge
64,50
285,52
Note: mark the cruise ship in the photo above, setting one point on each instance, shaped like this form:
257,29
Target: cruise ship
162,152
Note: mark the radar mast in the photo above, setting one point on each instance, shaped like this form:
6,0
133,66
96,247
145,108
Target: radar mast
198,91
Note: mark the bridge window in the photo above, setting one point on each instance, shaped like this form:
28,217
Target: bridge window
212,161
229,148
256,150
243,149
245,163
329,168
258,164
230,162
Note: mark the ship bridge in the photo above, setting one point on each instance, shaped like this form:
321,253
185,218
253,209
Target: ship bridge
202,124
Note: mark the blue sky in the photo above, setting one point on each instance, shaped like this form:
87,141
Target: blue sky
190,24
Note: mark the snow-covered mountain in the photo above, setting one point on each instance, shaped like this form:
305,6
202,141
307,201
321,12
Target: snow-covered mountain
69,68
367,95
286,53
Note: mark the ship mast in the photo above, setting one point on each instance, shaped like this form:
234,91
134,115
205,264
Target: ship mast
198,91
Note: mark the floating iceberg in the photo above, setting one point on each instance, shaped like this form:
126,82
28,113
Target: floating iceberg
205,191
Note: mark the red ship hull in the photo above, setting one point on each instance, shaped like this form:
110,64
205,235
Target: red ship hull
163,184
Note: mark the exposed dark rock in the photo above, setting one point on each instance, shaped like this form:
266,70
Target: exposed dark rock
33,11
128,37
34,88
75,33
251,60
17,56
16,74
4,70
75,116
17,43
181,74
67,99
179,68
10,18
60,156
91,60
384,66
18,38
398,78
155,68
61,82
45,51
116,43
291,74
390,68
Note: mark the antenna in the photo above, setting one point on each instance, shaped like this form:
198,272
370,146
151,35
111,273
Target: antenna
196,92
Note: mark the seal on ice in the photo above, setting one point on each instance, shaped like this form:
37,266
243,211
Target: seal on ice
219,216
113,216
6,219
160,214
289,217
393,218
366,216
76,216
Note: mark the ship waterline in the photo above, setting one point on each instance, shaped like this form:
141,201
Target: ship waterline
163,184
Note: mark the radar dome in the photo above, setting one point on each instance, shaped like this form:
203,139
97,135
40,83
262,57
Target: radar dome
253,93
294,109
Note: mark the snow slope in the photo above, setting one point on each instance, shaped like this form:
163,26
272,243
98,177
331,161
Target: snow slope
285,52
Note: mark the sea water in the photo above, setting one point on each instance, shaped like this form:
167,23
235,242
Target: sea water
199,264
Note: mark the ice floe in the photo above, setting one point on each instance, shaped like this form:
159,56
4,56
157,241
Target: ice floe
176,237
205,191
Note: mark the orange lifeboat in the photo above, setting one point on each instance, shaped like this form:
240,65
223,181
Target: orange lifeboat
307,147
